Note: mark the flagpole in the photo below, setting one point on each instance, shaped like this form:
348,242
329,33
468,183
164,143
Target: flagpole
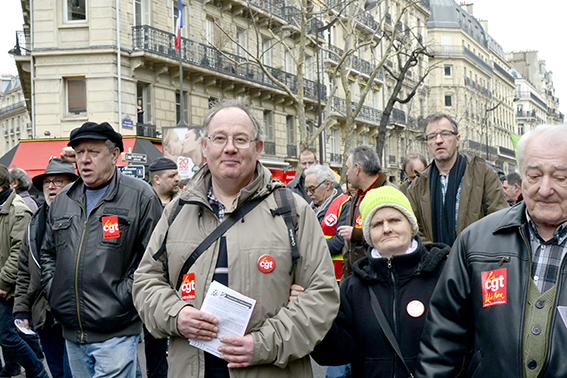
178,35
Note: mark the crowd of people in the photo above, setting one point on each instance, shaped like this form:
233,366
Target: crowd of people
452,274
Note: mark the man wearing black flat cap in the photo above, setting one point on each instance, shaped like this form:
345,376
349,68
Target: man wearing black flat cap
29,304
164,178
96,233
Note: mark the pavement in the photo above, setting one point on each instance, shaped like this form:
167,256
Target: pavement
318,371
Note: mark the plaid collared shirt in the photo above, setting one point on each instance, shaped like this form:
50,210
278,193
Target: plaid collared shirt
547,255
216,204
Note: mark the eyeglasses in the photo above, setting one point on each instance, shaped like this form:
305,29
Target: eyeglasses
312,188
57,182
239,141
444,135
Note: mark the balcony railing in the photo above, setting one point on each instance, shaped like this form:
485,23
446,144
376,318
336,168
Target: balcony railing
504,73
461,51
354,62
481,147
159,42
526,114
473,84
12,108
275,7
398,116
336,158
506,152
291,150
269,148
366,113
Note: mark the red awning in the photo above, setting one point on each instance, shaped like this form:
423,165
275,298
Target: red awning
34,155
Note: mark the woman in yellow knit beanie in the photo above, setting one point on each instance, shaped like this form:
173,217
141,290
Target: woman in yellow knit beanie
402,273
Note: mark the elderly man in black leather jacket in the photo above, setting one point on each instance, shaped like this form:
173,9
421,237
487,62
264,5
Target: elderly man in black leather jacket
503,291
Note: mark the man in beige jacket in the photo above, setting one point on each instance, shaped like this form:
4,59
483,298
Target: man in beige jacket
254,257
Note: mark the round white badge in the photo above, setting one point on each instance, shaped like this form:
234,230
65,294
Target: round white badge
415,309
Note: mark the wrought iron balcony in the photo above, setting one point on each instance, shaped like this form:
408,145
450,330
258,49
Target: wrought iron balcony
368,114
506,152
269,148
354,62
12,108
336,158
275,7
291,150
398,116
150,39
473,84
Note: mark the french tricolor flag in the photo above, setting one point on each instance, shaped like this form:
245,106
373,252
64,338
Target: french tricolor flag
178,25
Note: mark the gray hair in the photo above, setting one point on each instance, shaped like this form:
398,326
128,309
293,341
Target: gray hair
549,132
323,173
412,157
367,157
110,144
434,117
241,103
24,181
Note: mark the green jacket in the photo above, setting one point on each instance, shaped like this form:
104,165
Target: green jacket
481,194
14,219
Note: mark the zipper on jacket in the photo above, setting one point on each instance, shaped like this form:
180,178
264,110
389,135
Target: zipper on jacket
77,267
524,299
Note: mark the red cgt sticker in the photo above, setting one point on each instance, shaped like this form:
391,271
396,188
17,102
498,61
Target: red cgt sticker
493,287
110,229
358,222
188,286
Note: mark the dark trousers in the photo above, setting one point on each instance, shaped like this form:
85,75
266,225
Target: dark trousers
53,343
156,355
14,346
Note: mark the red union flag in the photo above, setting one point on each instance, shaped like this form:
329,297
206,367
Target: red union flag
493,287
110,228
188,286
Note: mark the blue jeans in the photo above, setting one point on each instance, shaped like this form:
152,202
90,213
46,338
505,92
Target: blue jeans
342,371
14,346
53,345
113,358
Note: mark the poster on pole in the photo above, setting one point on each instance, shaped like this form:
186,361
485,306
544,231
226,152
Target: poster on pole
183,146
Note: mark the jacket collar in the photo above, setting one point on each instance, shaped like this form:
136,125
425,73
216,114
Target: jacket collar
260,185
513,217
77,190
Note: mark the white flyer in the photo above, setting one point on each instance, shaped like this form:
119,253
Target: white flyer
233,311
563,312
22,328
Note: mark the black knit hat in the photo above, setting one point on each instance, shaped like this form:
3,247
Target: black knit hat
92,130
162,163
56,166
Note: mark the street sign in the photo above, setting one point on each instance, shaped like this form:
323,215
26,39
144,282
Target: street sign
137,171
134,158
127,122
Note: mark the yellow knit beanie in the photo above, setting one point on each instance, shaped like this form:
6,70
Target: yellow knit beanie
385,196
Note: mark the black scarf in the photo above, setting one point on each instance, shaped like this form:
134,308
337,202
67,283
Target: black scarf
443,215
4,194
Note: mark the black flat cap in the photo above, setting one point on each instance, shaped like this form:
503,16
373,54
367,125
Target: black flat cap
92,130
56,166
162,163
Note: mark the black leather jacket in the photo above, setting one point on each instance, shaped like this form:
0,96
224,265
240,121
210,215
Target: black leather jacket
88,278
458,321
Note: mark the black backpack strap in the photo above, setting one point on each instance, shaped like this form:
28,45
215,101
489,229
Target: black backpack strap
180,203
386,327
286,208
217,233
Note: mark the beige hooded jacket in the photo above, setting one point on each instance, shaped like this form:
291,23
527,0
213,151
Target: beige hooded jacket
284,333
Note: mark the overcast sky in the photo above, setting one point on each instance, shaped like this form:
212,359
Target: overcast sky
516,25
